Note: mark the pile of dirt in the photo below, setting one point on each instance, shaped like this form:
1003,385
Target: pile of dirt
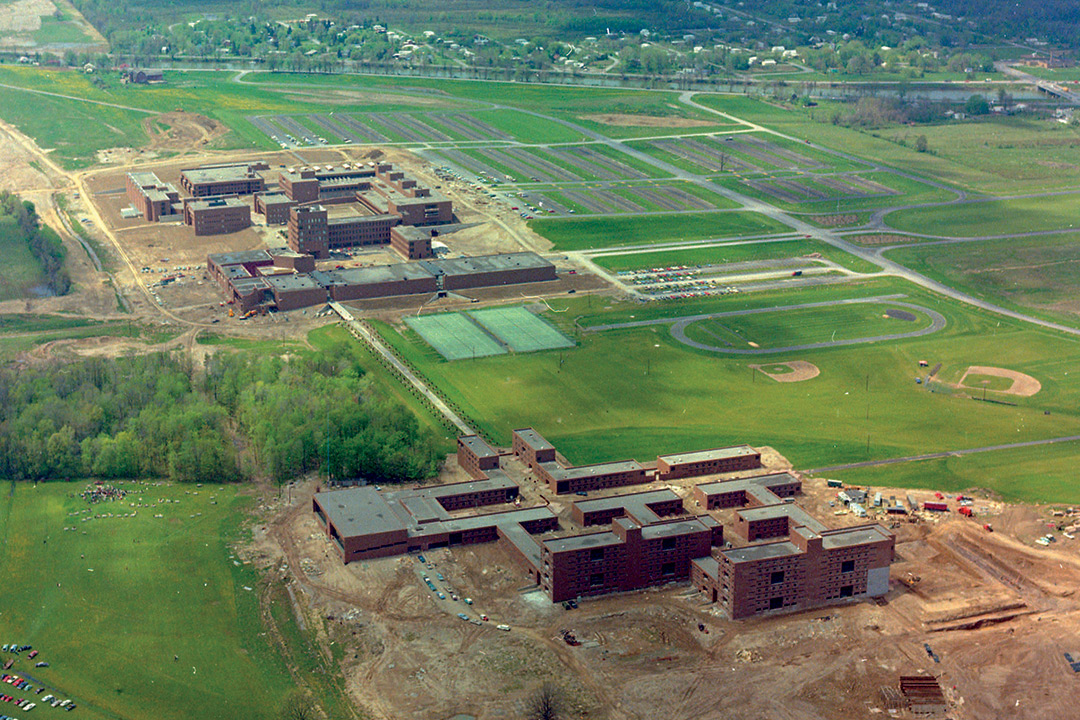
179,130
835,220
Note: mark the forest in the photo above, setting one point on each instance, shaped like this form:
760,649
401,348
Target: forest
242,416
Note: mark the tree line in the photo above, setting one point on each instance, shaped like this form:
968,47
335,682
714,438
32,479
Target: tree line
44,243
242,416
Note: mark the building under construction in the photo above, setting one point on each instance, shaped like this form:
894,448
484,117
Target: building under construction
651,540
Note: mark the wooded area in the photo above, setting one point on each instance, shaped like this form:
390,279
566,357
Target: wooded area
244,416
22,219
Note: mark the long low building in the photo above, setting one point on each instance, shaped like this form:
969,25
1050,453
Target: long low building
234,179
357,283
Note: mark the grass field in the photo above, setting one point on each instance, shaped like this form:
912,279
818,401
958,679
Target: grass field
908,192
1035,275
109,609
20,270
638,392
996,217
586,233
454,336
739,251
800,327
520,329
1041,474
988,382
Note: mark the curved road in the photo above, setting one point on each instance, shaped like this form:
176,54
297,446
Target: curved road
678,326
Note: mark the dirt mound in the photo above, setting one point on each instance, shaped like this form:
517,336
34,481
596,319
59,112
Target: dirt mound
626,120
798,370
1022,385
179,130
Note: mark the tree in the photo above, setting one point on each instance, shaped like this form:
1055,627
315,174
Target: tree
296,707
921,144
976,105
546,703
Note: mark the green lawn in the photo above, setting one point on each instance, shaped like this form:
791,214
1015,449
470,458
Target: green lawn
586,233
736,252
638,392
54,31
799,327
1040,474
111,603
996,217
1034,275
20,270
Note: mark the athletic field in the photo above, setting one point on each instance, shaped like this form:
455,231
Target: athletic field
520,329
455,336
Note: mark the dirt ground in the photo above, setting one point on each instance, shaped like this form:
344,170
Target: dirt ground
800,371
627,120
1022,385
997,611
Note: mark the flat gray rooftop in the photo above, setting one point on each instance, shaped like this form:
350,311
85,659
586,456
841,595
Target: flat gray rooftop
381,274
359,511
144,178
585,471
790,510
534,439
635,504
217,202
240,257
287,283
485,263
846,537
228,173
670,529
580,542
478,446
709,565
497,481
766,551
707,455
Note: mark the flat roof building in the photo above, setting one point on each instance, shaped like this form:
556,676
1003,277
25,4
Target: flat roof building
708,462
209,180
475,456
153,198
216,215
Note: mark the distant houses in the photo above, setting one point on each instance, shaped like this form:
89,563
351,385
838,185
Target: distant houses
143,76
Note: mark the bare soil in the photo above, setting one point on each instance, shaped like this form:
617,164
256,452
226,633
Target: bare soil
800,371
997,611
181,131
629,120
1023,385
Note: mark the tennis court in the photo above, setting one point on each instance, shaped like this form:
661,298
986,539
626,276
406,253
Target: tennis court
454,336
520,329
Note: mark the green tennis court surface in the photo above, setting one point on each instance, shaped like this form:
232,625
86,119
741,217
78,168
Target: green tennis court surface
520,329
454,336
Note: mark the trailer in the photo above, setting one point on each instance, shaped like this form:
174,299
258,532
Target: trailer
936,506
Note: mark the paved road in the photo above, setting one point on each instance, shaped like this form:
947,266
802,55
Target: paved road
679,325
938,455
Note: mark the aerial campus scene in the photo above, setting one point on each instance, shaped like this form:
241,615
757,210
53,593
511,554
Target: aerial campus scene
376,359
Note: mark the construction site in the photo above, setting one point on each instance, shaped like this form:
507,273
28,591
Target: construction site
975,621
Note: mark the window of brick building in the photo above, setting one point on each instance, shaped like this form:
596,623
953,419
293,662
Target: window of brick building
777,577
847,566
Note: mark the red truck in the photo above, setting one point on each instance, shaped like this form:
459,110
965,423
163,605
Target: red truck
967,512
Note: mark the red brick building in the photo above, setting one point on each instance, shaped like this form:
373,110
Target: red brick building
153,198
475,456
708,462
216,215
212,180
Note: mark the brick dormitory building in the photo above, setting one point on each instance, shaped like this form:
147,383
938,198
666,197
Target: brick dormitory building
790,560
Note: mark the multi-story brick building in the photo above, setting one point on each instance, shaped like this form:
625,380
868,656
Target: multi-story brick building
708,462
216,215
153,198
475,456
211,180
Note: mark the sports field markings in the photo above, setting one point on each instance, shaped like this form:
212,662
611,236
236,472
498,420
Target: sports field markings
455,336
521,330
679,325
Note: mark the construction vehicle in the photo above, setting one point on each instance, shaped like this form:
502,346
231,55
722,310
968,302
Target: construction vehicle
231,313
569,638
